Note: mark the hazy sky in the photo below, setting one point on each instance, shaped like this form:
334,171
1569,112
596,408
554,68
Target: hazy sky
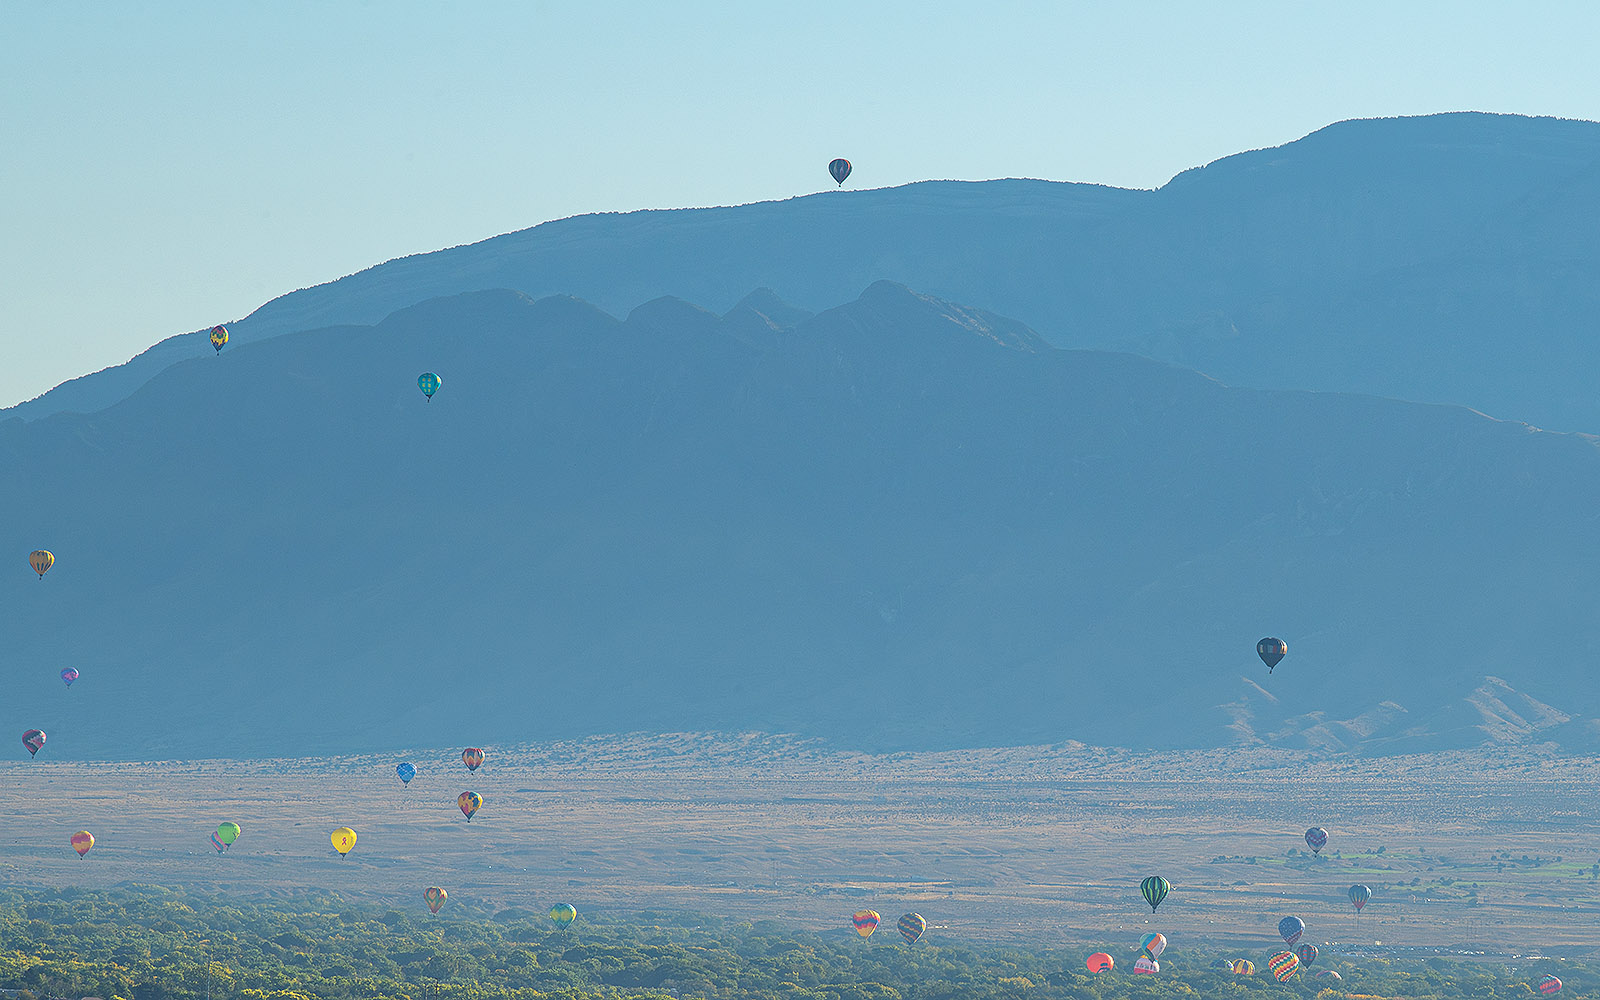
164,167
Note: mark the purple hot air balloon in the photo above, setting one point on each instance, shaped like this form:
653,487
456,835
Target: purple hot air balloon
68,676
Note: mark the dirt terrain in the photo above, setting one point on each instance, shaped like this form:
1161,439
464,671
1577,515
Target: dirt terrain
1489,850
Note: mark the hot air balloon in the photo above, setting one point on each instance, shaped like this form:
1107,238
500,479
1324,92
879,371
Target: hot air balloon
1326,974
41,561
228,833
470,802
219,337
1224,964
343,839
1290,929
1549,984
911,927
68,676
472,757
434,897
840,169
1100,962
563,914
406,771
1359,894
219,845
1146,966
1283,965
1316,839
33,739
81,842
1271,651
1153,944
1154,890
1244,967
429,383
1307,953
866,922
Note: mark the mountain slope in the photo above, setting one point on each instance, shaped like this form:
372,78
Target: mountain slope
896,523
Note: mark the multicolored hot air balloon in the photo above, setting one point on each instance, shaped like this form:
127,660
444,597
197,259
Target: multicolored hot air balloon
1271,651
911,927
41,561
81,842
343,839
434,897
866,921
1326,974
429,383
1359,894
1153,944
406,770
1316,839
1244,967
1146,966
219,845
219,337
68,676
472,757
470,802
1154,889
1100,962
227,833
1290,929
1283,965
1549,984
563,914
33,739
839,169
1307,953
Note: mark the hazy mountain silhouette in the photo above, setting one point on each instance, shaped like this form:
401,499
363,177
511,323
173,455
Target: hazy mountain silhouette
895,523
1449,258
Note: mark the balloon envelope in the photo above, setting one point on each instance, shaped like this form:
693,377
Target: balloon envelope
865,921
81,842
563,914
1100,962
33,739
219,845
434,897
1549,984
219,337
68,676
1359,894
1146,966
1326,974
1244,967
1153,944
228,832
343,839
911,927
406,771
470,802
1154,889
41,561
1316,839
472,757
1307,953
429,383
1283,965
839,169
1290,929
1271,651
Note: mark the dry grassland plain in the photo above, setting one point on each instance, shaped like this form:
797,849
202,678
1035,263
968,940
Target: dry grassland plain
1491,851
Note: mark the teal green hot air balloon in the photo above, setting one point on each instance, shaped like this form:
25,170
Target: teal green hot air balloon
1154,890
429,383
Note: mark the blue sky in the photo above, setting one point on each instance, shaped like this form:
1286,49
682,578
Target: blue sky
170,166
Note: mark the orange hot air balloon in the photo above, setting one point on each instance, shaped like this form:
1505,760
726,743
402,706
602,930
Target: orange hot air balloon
472,757
434,897
82,841
470,802
1100,962
41,561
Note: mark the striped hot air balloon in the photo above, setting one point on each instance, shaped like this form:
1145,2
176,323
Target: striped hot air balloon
81,842
911,927
434,897
41,560
1290,929
1307,953
1146,966
1359,894
1549,984
1100,962
1244,967
1326,974
1283,965
472,757
1154,889
219,845
866,921
1153,944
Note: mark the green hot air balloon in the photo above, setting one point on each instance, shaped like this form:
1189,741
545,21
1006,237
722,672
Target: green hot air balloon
227,833
563,914
1154,889
429,383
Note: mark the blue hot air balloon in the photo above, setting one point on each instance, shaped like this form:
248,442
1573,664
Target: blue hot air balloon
406,771
429,383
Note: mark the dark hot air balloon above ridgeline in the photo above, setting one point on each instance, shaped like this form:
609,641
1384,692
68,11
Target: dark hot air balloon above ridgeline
1316,839
219,337
33,739
434,897
1154,889
839,170
1271,651
911,927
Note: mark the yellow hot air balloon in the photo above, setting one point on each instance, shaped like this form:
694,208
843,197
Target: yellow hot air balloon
41,561
343,839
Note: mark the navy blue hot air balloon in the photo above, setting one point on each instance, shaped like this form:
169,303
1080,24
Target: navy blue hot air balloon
840,169
1290,928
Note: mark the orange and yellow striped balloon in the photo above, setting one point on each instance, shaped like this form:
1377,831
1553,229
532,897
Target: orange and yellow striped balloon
866,921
